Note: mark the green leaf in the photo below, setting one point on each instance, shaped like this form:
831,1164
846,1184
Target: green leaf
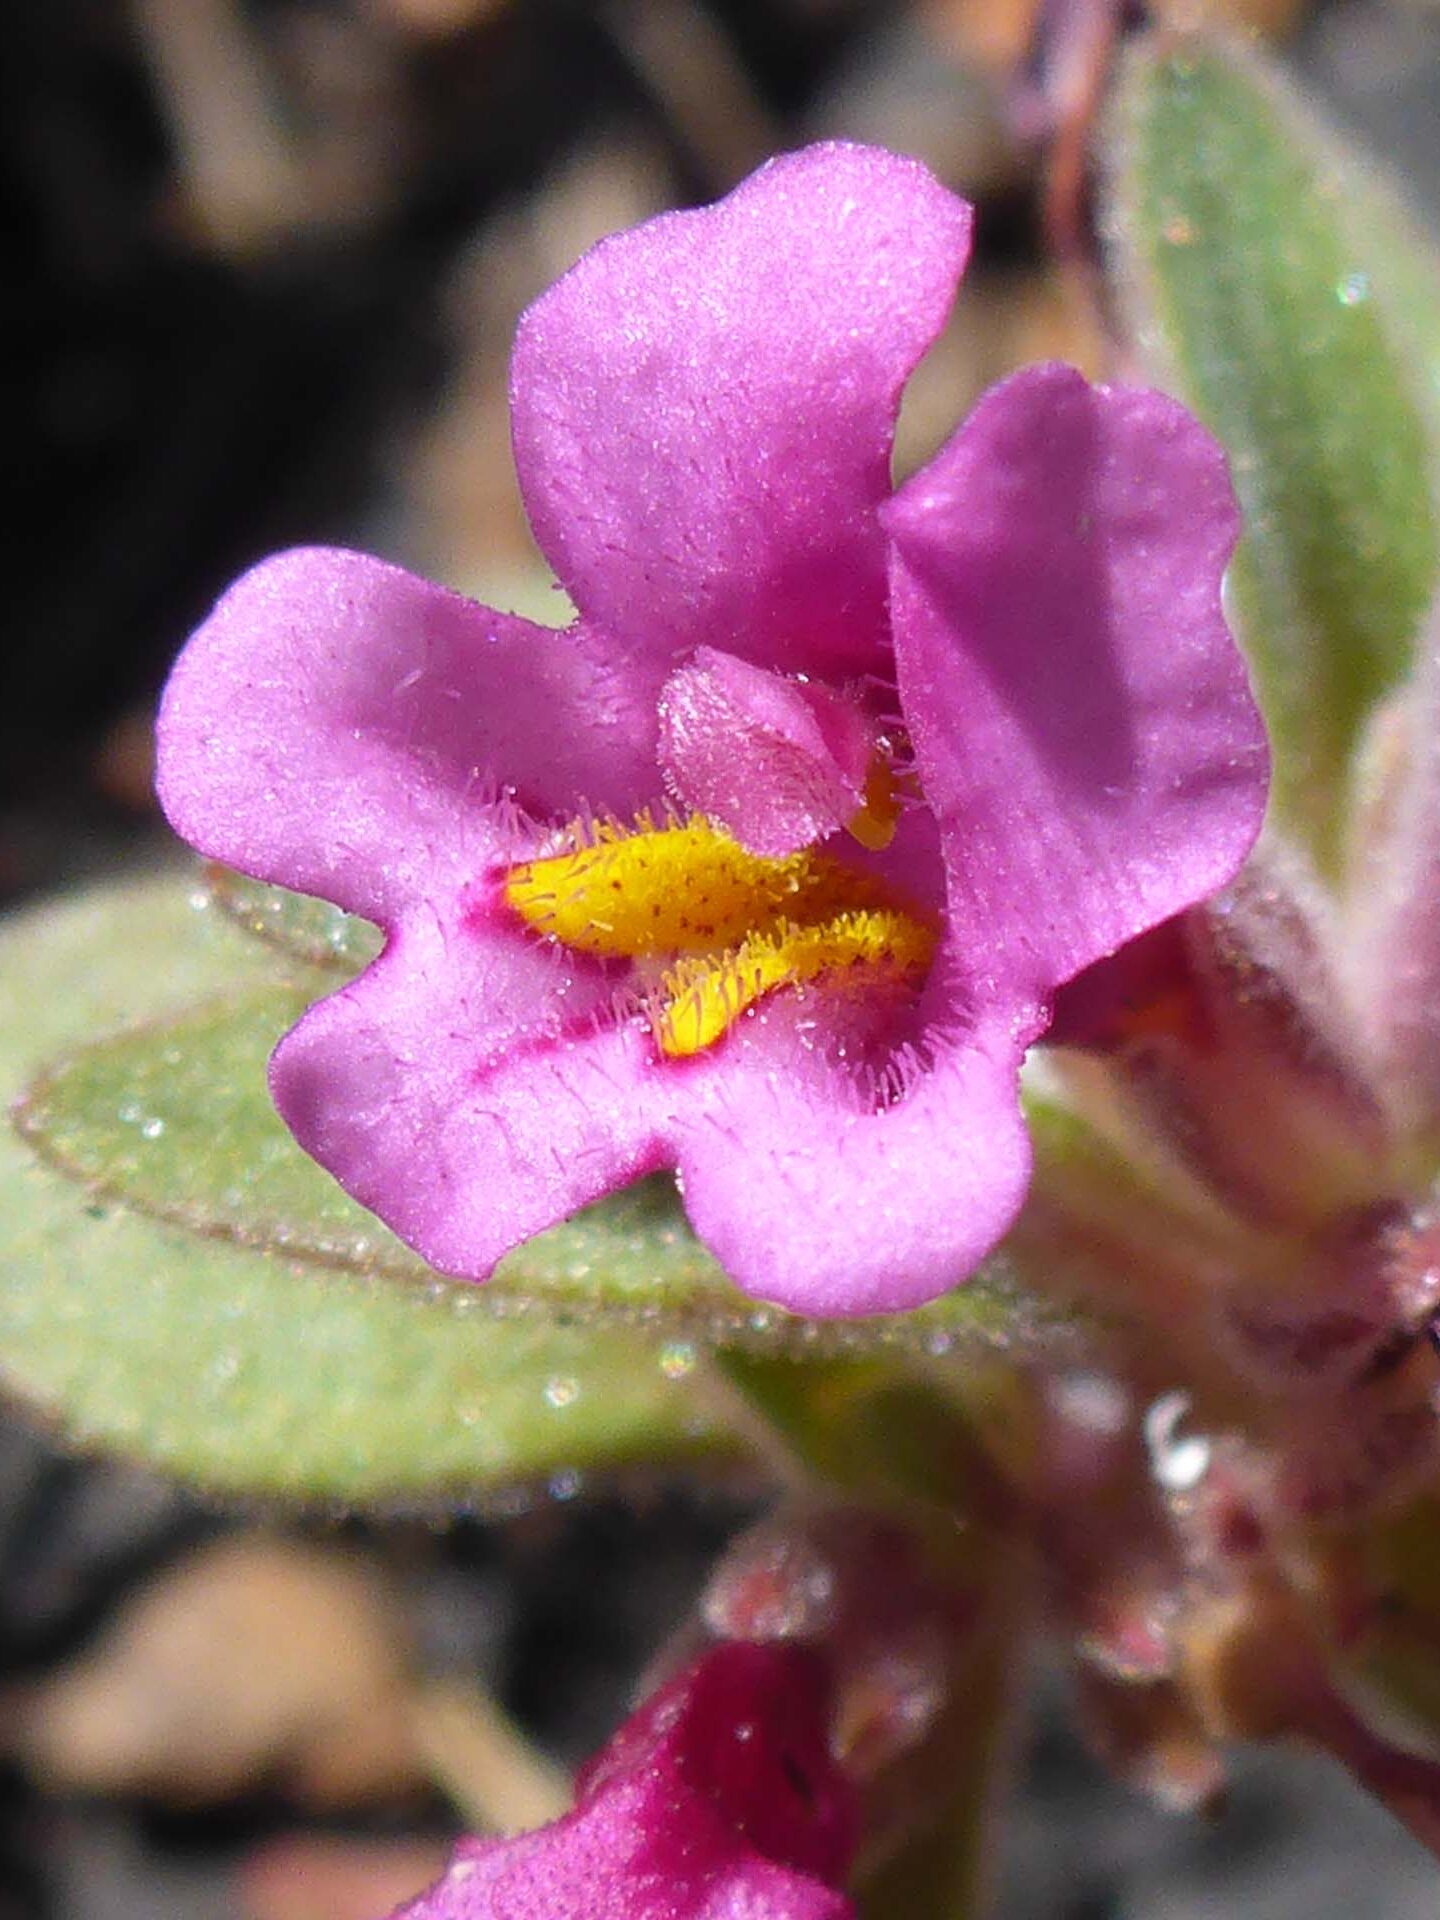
1275,287
252,1373
309,930
174,1118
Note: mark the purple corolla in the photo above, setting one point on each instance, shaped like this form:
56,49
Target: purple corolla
718,1800
767,868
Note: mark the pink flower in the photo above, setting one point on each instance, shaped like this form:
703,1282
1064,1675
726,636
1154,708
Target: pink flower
717,1801
767,868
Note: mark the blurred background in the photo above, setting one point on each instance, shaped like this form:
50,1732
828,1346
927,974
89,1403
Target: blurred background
266,257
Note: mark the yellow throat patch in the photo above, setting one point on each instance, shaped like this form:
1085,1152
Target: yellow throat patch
734,925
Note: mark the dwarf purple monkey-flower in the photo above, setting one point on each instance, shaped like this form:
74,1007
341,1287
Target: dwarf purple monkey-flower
717,1800
765,869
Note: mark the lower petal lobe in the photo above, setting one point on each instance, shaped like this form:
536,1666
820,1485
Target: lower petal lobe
831,1203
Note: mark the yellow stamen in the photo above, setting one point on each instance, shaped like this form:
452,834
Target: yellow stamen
739,925
874,825
676,887
704,996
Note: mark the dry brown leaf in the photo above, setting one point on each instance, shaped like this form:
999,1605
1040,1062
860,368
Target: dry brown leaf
998,33
493,1775
124,765
438,19
254,1660
316,1877
1273,19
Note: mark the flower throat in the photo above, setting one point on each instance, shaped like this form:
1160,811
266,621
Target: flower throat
733,925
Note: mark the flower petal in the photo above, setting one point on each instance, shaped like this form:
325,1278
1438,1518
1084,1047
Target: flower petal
1082,723
828,1207
338,724
718,1800
471,1088
778,764
703,408
746,1728
610,1861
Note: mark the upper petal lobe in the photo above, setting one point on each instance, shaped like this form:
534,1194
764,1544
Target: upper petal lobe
1083,727
703,408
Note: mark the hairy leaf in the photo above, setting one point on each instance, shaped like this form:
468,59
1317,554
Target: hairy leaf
1274,285
309,930
173,1117
250,1372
